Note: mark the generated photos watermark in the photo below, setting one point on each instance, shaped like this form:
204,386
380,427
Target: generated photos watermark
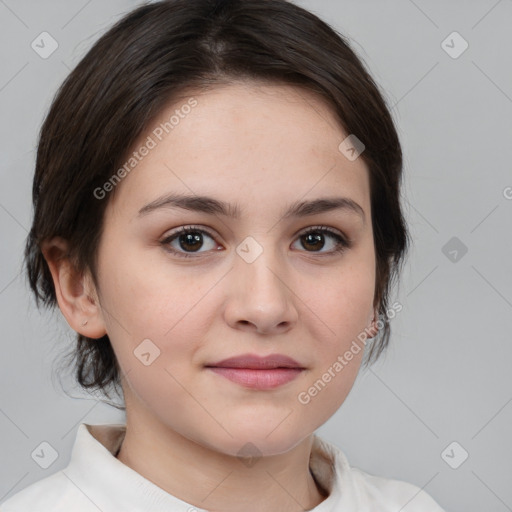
305,397
150,143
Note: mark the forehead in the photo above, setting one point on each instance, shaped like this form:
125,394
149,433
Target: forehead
243,140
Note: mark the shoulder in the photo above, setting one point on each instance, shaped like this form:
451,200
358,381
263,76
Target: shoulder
54,493
393,494
357,489
84,482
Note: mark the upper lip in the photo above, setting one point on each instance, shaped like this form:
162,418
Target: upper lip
257,362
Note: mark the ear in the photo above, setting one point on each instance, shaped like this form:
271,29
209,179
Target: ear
76,294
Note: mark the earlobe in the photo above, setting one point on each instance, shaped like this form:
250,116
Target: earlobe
75,291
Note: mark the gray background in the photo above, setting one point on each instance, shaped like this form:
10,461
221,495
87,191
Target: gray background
446,376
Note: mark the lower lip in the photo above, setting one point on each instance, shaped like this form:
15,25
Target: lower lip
258,379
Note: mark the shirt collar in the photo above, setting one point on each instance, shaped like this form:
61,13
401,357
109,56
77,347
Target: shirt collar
107,482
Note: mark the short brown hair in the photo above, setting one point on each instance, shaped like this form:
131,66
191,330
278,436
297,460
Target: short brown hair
144,61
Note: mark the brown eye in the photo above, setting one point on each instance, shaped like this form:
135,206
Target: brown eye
190,241
187,241
314,240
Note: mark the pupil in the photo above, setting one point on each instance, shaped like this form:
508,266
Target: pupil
190,239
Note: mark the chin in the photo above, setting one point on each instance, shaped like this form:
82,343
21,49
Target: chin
254,441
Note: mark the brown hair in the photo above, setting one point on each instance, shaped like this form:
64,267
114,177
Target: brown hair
144,61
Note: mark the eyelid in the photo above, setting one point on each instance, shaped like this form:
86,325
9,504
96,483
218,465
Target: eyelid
327,229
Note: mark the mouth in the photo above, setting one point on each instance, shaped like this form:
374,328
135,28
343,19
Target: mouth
257,372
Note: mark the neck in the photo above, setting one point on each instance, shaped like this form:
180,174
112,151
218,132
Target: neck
215,481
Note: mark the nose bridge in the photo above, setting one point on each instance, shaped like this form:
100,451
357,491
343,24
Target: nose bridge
261,295
259,265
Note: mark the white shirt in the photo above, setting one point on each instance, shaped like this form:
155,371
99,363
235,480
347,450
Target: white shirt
96,481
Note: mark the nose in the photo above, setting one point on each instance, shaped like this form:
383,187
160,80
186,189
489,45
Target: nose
261,296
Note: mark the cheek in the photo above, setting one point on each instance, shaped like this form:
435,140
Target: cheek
352,305
156,319
149,298
344,304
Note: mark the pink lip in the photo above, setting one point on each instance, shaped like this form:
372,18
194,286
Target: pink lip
257,363
258,372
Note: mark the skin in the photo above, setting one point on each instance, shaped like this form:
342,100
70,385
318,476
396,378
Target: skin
263,147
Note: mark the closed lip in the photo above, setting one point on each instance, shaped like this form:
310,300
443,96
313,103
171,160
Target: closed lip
255,362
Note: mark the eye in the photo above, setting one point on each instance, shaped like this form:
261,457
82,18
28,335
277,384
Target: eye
314,238
188,238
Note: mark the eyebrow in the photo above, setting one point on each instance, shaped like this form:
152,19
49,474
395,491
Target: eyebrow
213,206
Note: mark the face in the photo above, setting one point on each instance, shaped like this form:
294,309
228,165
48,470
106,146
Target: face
257,277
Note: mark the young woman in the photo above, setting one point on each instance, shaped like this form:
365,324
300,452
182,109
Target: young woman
217,215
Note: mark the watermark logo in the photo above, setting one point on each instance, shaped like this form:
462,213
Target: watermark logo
249,249
454,455
249,454
351,147
44,455
44,45
454,45
454,249
146,352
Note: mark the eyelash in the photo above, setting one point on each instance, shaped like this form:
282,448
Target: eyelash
341,246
